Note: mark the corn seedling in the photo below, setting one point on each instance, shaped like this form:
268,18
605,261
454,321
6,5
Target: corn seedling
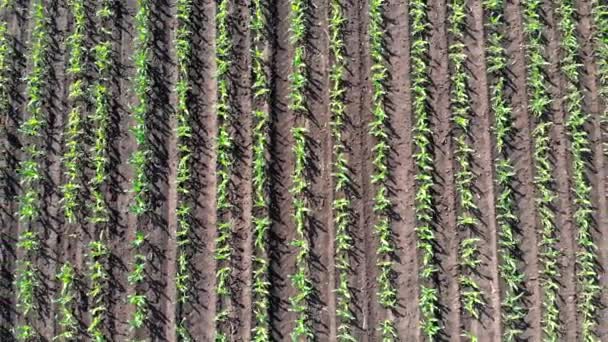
74,128
513,308
261,219
66,302
224,145
139,159
387,294
588,276
429,306
184,133
98,277
342,202
539,107
27,275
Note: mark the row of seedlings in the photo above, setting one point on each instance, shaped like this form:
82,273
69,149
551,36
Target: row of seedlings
72,162
300,185
471,296
600,21
139,160
539,101
387,294
341,205
586,258
5,69
98,251
261,219
183,45
27,279
513,307
424,207
224,146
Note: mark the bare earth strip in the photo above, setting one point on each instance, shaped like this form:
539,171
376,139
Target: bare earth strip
521,154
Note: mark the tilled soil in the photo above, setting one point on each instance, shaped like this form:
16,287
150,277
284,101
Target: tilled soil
64,242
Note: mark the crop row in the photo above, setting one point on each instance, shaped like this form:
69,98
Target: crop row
72,161
298,79
223,250
600,20
98,251
426,240
261,204
513,308
539,101
341,205
471,296
387,294
139,159
27,274
586,258
183,52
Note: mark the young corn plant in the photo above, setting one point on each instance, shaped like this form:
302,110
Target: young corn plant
600,20
224,145
342,198
184,133
74,129
98,277
68,324
513,308
429,306
27,279
261,218
471,296
100,117
139,159
300,280
587,263
378,129
539,106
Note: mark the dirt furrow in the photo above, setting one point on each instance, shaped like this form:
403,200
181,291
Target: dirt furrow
121,220
597,164
401,165
200,309
488,327
282,259
447,237
359,109
320,226
242,237
9,163
564,210
520,151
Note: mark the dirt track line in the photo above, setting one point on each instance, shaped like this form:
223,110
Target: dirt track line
9,163
169,306
488,328
321,227
402,183
282,230
564,211
119,175
597,171
447,238
523,162
364,239
242,190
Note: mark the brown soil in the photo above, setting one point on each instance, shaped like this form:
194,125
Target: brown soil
69,242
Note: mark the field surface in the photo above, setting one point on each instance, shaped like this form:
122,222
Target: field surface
329,170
